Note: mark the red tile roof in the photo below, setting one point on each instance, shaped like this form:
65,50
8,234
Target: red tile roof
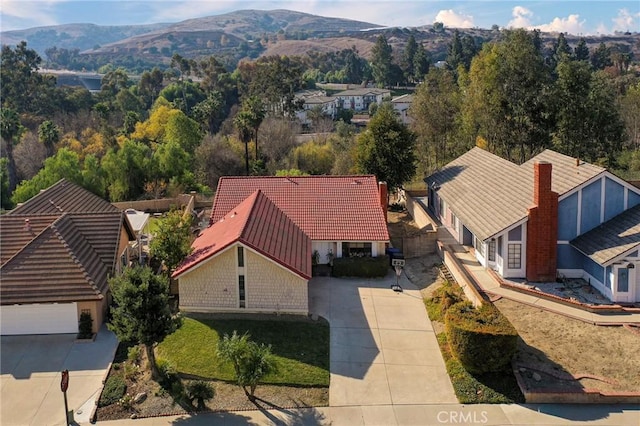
257,223
326,208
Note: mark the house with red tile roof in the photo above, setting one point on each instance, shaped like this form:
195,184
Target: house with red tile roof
58,250
256,255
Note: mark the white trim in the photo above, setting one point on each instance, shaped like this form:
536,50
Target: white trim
563,242
579,212
582,185
602,199
621,256
242,310
626,198
204,261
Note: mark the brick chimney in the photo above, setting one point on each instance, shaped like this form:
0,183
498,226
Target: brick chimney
384,197
542,227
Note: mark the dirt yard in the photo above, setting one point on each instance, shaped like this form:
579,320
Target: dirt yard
557,352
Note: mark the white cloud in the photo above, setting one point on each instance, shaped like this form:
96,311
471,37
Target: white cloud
626,21
450,18
571,24
521,18
16,12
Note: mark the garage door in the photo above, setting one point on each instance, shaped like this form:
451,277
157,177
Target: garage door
46,318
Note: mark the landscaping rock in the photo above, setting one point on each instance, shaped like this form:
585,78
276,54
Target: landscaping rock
537,377
133,416
139,398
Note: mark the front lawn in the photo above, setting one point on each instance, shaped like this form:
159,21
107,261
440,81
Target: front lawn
301,349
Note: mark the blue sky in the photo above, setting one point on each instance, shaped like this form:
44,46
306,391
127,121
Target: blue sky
572,16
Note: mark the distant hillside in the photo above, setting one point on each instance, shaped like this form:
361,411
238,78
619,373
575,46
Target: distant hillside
74,36
250,34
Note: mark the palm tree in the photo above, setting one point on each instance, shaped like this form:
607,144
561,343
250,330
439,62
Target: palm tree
251,362
10,129
49,135
242,121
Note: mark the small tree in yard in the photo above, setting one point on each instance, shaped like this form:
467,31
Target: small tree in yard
172,240
251,362
140,310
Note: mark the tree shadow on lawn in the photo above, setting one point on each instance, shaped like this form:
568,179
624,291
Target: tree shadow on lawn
298,339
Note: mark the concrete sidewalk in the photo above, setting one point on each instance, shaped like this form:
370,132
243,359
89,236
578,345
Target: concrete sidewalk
419,415
487,283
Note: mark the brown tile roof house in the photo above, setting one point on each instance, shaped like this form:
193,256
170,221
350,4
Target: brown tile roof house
57,251
256,254
553,215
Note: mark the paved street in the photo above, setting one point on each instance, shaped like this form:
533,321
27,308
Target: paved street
30,377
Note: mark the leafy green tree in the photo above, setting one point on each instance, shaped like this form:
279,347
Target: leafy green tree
173,165
601,57
93,175
386,148
172,240
65,164
251,362
313,158
22,87
630,113
408,57
5,195
455,55
140,312
588,123
507,97
49,136
126,170
436,111
421,63
381,60
10,129
581,51
182,130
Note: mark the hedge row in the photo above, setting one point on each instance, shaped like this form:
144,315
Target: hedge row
366,267
482,339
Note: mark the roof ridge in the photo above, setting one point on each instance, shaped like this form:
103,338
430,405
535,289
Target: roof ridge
59,233
30,242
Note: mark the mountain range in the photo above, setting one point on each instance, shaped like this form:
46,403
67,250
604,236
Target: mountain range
246,33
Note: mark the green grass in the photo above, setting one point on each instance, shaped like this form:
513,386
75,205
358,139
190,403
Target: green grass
301,349
490,388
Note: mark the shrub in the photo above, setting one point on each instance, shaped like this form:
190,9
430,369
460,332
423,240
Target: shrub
201,392
85,326
482,339
365,267
113,390
133,354
447,295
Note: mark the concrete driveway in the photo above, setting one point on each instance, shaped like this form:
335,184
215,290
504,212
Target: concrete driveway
383,348
31,366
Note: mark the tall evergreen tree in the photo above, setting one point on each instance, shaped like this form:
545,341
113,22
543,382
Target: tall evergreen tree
386,148
381,62
408,57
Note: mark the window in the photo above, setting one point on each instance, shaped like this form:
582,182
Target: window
514,256
442,208
240,257
241,293
492,251
623,280
350,249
